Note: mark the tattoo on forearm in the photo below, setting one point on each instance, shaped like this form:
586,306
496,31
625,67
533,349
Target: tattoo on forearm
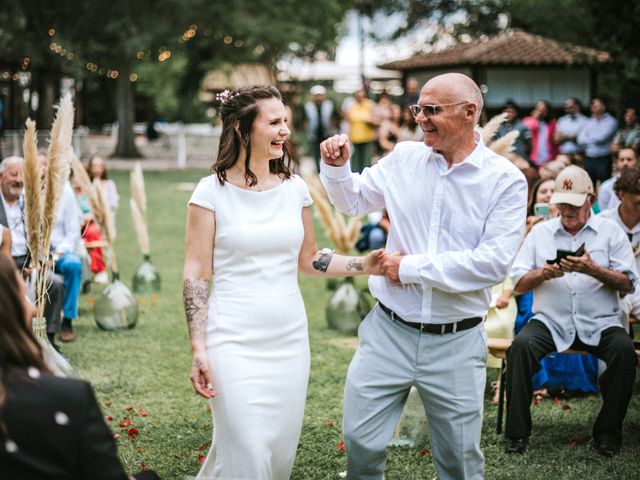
355,264
323,261
195,293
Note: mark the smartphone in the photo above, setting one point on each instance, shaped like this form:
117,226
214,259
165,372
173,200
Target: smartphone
560,254
541,210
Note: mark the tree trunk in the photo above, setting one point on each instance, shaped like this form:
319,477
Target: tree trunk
46,99
125,112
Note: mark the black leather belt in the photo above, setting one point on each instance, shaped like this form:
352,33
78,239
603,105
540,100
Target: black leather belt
434,328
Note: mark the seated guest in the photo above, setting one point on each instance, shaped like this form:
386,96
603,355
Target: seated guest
97,169
575,306
65,236
627,216
607,198
12,217
51,427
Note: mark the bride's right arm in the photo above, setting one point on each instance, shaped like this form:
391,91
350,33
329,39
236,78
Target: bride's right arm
197,271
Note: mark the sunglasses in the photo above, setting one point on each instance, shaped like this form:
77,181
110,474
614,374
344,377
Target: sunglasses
431,110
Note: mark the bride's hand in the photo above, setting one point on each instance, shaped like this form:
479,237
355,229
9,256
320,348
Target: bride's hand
373,262
201,377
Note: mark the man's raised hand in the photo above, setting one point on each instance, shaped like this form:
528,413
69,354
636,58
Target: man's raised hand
336,150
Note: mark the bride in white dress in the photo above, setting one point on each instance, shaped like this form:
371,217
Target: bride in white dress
250,229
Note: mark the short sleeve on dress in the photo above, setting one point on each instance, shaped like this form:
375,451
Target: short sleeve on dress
307,200
204,194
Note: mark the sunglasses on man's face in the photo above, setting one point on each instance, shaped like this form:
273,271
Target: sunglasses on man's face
431,110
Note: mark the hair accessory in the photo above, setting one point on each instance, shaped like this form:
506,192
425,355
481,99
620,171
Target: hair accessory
226,96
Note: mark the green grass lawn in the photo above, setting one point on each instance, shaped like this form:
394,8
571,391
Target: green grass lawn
142,375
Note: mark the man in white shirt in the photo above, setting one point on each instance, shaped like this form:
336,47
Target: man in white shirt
568,128
64,238
12,217
627,216
575,305
607,198
457,213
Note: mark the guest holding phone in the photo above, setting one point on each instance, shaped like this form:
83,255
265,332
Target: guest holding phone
575,306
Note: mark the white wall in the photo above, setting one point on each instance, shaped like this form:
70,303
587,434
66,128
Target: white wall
530,85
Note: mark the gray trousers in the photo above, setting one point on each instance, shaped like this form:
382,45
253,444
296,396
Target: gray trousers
449,372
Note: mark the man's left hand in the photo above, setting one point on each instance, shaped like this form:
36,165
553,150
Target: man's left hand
391,263
582,264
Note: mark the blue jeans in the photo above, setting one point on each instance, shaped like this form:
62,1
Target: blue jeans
70,267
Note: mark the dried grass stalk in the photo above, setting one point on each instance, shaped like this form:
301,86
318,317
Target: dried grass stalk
138,192
33,190
342,234
140,225
504,145
490,129
138,204
108,227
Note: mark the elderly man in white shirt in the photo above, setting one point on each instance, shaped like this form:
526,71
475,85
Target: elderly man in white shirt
457,213
577,264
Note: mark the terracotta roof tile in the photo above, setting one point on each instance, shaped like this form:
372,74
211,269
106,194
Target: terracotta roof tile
513,47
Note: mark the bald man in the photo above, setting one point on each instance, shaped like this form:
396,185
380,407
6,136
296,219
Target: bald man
457,214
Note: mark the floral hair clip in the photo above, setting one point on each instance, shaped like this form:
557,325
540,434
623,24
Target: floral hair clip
226,96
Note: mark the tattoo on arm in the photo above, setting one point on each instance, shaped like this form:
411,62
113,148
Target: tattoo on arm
323,261
355,264
196,293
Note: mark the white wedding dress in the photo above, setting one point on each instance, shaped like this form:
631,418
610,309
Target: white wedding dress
257,339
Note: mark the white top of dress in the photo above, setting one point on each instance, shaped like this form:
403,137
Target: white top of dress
458,227
258,235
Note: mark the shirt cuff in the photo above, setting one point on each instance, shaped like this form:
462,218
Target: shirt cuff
409,269
335,173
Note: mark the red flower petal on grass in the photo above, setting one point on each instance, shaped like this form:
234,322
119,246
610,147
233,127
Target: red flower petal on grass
128,408
116,436
143,467
209,408
204,446
341,446
107,404
108,418
424,451
143,413
573,443
329,423
566,406
201,458
125,423
556,400
140,448
133,432
536,401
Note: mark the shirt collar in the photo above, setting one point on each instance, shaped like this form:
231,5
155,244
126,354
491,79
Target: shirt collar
476,156
592,223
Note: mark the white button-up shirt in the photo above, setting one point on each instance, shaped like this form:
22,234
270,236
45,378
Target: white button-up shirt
576,303
458,227
66,231
15,220
633,234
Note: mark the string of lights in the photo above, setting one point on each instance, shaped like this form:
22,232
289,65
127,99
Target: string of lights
163,54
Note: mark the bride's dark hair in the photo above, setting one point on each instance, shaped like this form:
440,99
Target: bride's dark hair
240,108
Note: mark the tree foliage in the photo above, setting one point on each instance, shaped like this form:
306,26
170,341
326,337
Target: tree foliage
609,26
161,48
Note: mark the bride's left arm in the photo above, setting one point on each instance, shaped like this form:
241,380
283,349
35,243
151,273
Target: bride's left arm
326,263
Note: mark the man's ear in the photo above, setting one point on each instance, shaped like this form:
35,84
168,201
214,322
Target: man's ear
470,110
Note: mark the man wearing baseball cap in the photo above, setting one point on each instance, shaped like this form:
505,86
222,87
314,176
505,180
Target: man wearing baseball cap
577,265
